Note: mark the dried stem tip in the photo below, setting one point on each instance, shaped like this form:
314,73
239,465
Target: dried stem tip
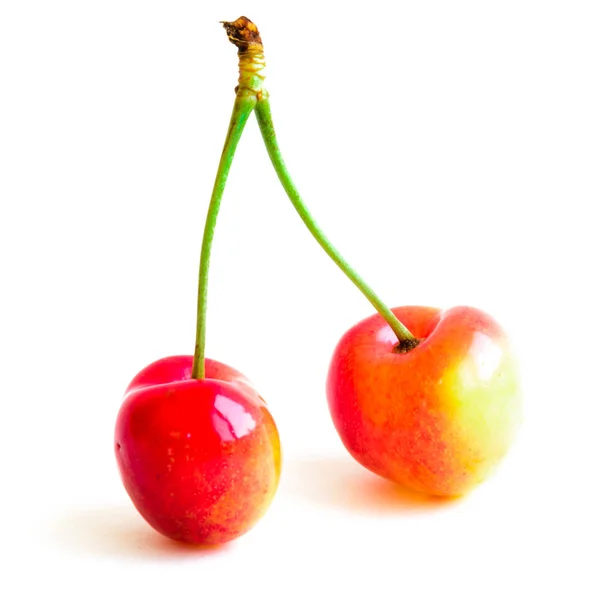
243,33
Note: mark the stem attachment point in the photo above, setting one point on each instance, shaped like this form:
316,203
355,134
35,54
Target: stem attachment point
405,346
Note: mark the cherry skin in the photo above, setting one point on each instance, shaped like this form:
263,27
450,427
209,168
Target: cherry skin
437,418
200,459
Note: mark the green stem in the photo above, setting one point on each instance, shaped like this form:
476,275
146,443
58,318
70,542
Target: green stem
265,122
243,107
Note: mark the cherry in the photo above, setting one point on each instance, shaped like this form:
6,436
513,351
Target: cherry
200,459
436,416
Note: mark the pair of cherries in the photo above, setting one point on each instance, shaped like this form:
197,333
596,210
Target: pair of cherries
429,399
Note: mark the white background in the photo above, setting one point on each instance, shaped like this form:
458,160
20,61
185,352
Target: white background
450,150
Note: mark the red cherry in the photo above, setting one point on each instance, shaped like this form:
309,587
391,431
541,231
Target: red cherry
200,459
436,418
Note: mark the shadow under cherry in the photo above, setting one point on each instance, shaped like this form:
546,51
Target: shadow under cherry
339,482
119,531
